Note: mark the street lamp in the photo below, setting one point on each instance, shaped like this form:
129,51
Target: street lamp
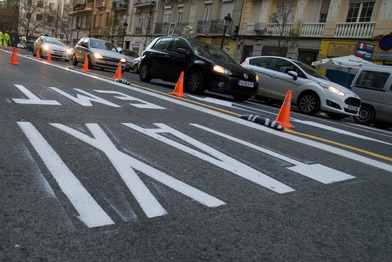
124,26
77,32
226,24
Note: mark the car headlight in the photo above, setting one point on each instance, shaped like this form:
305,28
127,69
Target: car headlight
45,47
257,78
69,50
333,89
221,70
123,60
98,56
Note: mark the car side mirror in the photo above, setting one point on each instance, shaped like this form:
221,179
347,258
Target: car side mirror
293,74
181,50
121,52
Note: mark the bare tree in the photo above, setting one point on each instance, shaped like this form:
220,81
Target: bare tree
9,18
283,32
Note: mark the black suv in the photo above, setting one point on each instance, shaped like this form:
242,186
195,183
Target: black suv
206,67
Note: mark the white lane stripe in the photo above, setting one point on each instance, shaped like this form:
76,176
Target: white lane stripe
89,211
339,131
317,172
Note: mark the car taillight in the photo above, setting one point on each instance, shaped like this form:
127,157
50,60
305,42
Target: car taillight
243,63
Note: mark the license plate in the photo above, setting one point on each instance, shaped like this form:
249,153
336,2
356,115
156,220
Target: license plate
111,63
245,83
353,108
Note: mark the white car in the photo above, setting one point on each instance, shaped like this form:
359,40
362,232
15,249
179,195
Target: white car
57,48
21,45
100,53
312,92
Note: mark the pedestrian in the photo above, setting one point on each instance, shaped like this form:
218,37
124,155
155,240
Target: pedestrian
1,39
6,39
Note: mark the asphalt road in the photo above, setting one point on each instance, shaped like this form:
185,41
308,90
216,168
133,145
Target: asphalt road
94,170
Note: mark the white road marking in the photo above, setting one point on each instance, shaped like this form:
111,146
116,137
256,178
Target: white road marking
221,160
339,131
89,211
124,165
317,172
84,100
142,103
32,99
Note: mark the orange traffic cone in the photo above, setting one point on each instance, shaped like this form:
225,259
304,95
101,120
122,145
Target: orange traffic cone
85,65
283,117
179,89
14,58
118,74
49,58
37,55
3,47
18,50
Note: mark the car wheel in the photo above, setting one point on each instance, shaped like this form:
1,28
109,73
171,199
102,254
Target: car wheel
135,69
336,116
366,115
194,82
144,72
74,60
309,103
240,98
66,60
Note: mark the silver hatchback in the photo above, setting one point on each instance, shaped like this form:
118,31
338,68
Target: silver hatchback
312,92
100,53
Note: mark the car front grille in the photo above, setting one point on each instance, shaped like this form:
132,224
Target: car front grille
353,101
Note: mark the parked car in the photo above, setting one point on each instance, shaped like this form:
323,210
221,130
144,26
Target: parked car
374,85
129,55
135,64
311,91
57,48
205,67
100,53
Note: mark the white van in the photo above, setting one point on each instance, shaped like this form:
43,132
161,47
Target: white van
373,84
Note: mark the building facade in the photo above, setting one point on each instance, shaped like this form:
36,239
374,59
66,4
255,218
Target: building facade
306,30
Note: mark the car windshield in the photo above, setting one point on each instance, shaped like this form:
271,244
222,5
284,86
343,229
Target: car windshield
130,53
210,51
100,44
310,71
53,41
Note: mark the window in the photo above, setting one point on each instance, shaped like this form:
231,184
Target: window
50,19
51,6
207,12
179,15
40,4
360,11
179,43
162,44
372,80
38,17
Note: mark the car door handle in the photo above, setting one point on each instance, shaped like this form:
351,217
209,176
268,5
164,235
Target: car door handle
167,55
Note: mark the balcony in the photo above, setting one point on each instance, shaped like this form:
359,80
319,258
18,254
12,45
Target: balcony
307,30
100,3
143,3
354,30
212,27
120,5
85,7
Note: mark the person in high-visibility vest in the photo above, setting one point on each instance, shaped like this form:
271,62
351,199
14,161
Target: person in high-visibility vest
1,38
6,39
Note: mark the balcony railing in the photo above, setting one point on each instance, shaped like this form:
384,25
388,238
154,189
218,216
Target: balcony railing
354,30
169,28
100,3
120,5
83,7
212,27
142,3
